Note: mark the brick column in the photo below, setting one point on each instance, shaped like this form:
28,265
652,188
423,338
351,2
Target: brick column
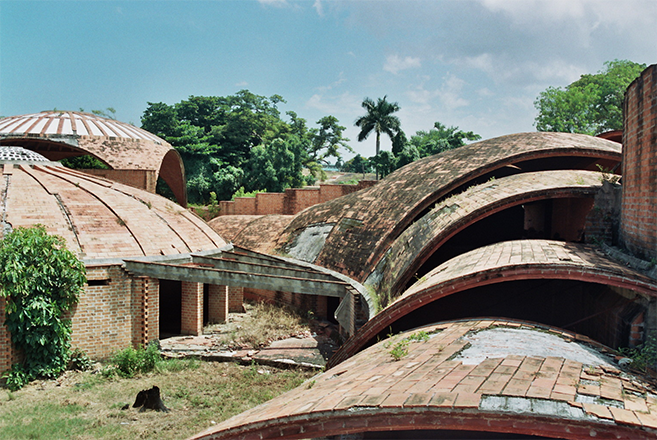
192,308
152,310
235,299
217,304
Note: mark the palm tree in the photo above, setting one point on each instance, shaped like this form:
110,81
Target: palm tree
380,119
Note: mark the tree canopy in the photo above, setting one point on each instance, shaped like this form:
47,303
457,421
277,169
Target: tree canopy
378,119
591,105
227,143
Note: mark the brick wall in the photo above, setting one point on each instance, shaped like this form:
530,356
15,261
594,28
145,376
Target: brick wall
269,203
245,206
639,215
235,299
102,321
191,308
292,201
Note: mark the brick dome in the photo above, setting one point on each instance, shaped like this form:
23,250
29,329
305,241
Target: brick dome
98,218
135,156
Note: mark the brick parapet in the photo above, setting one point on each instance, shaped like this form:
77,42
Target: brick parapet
638,215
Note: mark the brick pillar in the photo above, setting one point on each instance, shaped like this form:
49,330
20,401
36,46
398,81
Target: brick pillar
235,299
152,310
6,351
217,304
192,308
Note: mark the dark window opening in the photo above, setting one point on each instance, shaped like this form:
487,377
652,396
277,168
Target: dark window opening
170,308
99,282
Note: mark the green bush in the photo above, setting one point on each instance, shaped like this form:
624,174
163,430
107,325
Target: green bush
41,280
129,362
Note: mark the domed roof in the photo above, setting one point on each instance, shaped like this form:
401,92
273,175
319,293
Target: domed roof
98,218
52,123
59,134
19,154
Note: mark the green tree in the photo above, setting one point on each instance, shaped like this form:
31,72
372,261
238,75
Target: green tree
441,138
407,155
384,162
591,105
357,164
276,166
379,119
325,141
41,280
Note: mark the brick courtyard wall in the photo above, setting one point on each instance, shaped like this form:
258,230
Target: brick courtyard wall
245,206
298,199
638,215
269,203
217,304
292,201
143,179
191,308
226,207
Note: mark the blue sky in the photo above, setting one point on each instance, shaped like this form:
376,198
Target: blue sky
476,64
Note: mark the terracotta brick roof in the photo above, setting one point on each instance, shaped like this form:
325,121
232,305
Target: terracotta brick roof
366,222
456,213
99,218
497,263
120,145
477,375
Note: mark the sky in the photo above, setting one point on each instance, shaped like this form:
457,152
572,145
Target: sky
475,64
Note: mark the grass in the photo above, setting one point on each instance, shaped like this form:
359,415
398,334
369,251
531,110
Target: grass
262,324
86,405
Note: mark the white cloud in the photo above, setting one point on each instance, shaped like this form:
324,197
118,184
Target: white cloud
395,63
319,8
335,105
449,95
276,3
241,84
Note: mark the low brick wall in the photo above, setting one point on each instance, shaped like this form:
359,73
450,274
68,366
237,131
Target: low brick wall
292,201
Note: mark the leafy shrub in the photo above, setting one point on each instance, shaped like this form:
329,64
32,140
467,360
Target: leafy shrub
79,361
129,362
41,280
644,356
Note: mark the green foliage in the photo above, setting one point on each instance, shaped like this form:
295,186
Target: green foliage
241,140
78,360
129,362
644,356
440,138
41,280
84,162
379,119
591,105
241,193
399,350
358,164
384,162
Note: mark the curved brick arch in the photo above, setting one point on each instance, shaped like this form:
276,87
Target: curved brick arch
437,385
172,171
451,216
135,156
367,222
498,263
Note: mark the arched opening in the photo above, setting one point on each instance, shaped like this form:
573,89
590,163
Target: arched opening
596,310
172,172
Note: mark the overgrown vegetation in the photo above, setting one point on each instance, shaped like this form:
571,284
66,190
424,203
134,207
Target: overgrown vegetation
265,323
644,356
398,350
41,281
129,362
